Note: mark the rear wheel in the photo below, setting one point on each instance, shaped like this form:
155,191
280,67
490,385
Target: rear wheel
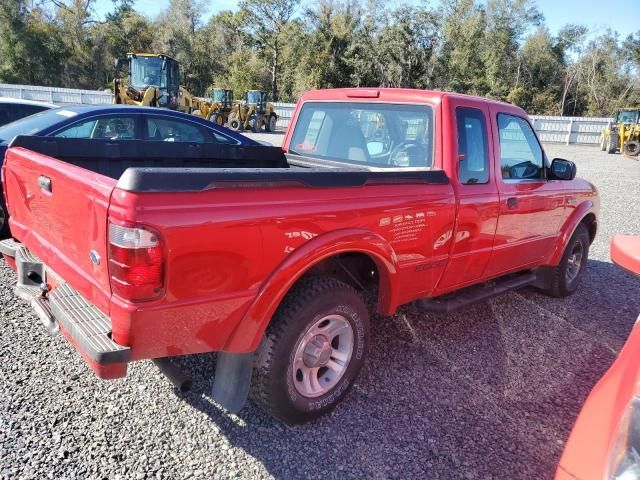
612,143
217,119
603,142
567,275
312,351
631,148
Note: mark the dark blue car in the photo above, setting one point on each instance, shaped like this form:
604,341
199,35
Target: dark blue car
117,123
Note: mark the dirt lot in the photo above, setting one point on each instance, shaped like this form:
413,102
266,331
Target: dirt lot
489,392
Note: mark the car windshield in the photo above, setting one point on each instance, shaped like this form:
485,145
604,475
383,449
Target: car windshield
34,123
369,134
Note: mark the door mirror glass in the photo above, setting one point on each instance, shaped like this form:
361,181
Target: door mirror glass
562,169
375,148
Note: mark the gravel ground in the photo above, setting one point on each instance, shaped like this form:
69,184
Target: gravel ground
489,392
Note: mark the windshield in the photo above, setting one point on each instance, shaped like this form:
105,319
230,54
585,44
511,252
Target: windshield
147,71
628,116
34,123
218,96
368,134
254,97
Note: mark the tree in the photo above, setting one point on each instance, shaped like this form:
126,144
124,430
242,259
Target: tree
265,22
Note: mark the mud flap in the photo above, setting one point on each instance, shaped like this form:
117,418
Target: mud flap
232,380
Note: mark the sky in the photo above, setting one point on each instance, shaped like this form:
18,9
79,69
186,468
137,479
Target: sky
621,15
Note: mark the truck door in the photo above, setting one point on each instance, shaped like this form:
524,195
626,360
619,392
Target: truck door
468,153
531,207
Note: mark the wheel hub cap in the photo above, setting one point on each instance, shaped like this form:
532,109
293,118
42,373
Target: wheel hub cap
317,352
322,355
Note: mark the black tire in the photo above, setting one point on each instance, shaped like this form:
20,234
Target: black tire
631,148
4,222
234,123
270,126
612,143
276,386
217,119
562,284
255,123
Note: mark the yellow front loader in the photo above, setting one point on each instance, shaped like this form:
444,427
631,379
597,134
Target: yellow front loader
253,113
218,109
623,134
153,80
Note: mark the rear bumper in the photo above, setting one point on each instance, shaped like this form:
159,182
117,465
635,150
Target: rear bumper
61,308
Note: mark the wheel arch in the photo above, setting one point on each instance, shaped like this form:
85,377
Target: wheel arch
354,249
584,214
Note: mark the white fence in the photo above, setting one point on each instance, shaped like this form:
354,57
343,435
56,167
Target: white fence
59,96
567,130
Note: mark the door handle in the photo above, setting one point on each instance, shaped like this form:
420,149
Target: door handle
512,202
44,183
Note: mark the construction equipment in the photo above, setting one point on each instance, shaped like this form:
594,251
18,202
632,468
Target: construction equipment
152,80
219,108
623,134
253,113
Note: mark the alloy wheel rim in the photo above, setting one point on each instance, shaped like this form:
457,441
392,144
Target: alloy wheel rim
574,263
322,356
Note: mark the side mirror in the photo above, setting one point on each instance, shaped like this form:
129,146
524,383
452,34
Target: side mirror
562,169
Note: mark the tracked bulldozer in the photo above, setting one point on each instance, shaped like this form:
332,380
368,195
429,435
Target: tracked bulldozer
253,113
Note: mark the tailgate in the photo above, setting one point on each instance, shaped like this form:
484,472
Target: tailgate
59,211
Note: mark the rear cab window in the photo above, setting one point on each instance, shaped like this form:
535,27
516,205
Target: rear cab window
473,148
381,135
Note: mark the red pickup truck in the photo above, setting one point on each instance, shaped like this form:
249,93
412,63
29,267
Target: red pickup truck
144,251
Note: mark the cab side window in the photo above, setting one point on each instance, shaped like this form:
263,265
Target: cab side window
521,156
473,150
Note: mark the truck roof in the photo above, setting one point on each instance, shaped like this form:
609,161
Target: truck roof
389,94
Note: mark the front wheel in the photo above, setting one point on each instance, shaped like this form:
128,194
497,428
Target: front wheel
234,123
612,143
567,274
312,351
631,148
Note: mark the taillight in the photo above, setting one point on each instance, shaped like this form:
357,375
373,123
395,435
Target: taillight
135,262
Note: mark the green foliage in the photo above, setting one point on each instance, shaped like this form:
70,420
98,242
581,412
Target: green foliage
495,48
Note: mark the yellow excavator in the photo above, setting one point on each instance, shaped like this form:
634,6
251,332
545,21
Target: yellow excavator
151,80
623,134
253,113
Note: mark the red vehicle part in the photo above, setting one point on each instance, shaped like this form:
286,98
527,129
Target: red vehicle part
599,444
201,261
